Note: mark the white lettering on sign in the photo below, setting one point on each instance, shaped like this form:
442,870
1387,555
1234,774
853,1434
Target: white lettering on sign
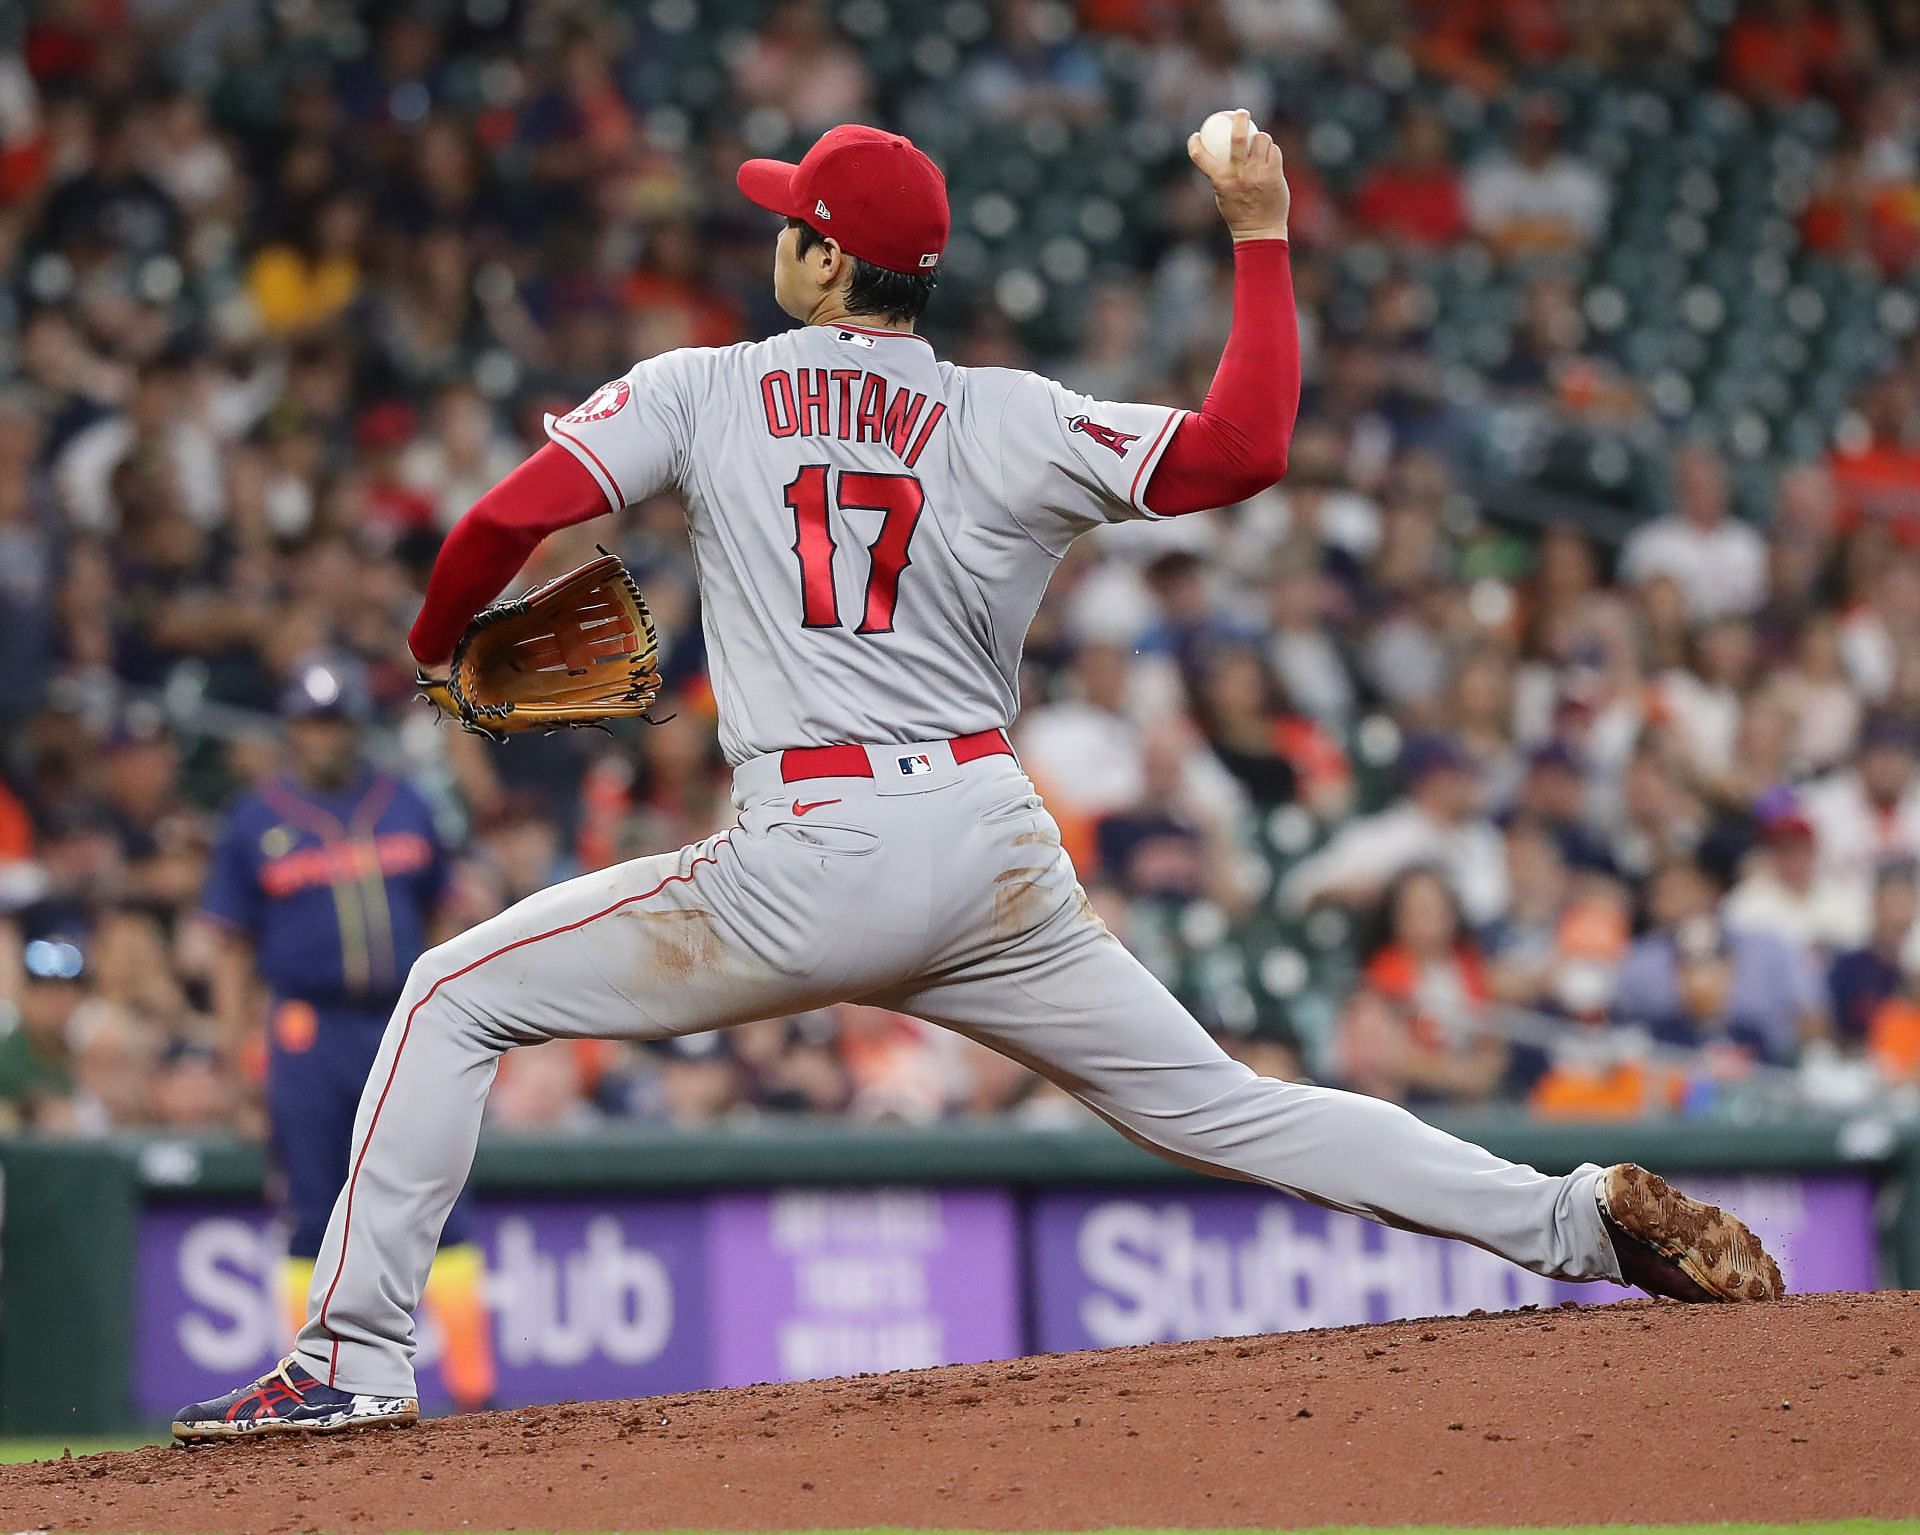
863,1296
604,1297
861,1282
804,1219
229,1269
811,1349
1160,1279
236,1322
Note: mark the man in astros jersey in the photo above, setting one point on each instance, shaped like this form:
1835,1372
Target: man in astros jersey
874,529
323,887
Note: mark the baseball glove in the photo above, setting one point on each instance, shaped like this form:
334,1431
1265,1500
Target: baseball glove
580,650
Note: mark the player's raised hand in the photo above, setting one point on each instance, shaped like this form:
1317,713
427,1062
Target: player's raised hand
1249,182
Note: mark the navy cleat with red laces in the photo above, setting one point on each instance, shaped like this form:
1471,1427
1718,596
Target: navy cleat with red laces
290,1401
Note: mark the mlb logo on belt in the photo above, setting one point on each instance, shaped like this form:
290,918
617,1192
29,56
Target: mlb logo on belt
915,765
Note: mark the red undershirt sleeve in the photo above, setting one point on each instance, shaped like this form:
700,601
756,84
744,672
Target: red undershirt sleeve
1236,445
487,547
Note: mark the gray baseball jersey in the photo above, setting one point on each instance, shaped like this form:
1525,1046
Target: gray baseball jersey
874,528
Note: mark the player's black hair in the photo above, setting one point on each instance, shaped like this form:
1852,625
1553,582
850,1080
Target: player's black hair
897,296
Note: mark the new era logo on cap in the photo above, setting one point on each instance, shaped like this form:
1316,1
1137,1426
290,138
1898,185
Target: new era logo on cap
885,200
916,764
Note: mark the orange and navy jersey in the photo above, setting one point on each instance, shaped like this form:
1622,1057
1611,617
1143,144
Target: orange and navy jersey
336,890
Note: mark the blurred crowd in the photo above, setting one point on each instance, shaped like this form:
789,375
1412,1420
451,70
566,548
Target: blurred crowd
1466,806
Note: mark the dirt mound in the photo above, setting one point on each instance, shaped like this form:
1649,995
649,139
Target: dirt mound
1638,1412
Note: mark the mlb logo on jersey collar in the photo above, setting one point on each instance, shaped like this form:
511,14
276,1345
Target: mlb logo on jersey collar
912,767
854,338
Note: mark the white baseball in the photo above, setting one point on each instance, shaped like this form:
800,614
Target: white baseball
1216,135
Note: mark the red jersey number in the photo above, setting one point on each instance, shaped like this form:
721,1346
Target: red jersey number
900,497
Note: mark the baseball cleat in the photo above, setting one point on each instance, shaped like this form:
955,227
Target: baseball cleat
288,1400
1674,1246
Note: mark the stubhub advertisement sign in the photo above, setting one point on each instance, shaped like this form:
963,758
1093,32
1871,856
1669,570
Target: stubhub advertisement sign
588,1298
632,1296
813,1283
1143,1267
626,1297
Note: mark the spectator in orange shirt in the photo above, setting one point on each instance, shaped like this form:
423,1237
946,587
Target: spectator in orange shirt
674,276
1483,43
1592,1070
1893,1041
1857,212
1589,1070
1418,1030
1876,465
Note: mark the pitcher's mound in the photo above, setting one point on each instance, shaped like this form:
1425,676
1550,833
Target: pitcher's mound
1638,1412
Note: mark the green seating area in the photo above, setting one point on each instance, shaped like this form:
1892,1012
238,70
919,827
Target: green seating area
1270,973
1699,291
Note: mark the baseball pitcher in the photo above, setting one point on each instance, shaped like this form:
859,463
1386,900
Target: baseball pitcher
874,529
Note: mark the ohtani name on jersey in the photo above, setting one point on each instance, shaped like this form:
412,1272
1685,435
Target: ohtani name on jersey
850,404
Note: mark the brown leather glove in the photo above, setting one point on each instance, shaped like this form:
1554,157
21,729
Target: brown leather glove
580,650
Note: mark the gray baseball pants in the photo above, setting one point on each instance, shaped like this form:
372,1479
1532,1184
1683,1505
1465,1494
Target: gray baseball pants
937,889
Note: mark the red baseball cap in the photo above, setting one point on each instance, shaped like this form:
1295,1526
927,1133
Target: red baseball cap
874,192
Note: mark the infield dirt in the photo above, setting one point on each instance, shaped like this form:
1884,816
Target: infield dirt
1805,1409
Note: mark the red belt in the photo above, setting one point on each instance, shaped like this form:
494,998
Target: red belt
801,762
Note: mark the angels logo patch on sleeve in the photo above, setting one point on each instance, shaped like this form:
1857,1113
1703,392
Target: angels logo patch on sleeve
1108,437
605,402
634,434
